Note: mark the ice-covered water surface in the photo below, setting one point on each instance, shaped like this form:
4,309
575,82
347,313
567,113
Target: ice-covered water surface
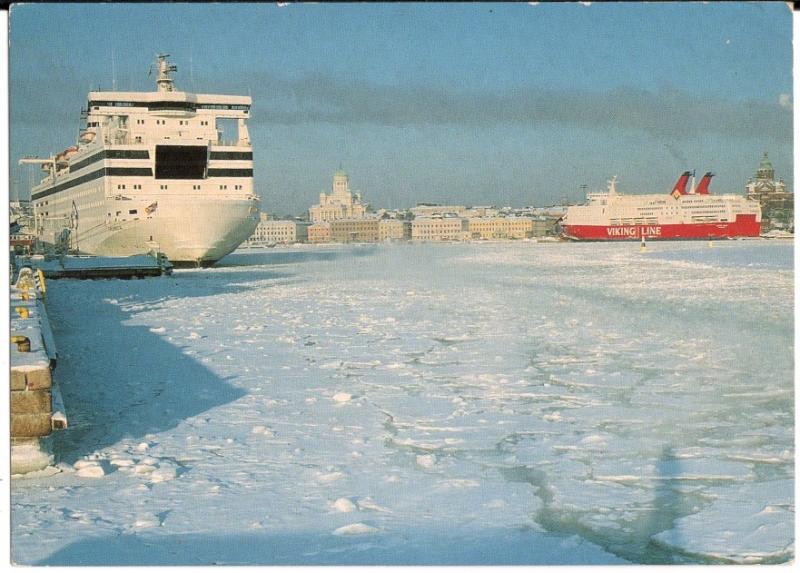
426,404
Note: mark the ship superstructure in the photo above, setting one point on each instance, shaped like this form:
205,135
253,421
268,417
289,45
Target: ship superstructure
167,170
681,214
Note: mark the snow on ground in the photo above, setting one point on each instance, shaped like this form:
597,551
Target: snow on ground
426,404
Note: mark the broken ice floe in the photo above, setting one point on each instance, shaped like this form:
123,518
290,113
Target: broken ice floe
356,529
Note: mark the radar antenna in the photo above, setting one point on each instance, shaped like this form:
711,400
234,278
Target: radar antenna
164,81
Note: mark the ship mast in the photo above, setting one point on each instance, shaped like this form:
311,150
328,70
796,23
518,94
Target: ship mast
164,82
612,186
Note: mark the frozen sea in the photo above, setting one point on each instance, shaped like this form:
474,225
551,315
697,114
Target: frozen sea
483,403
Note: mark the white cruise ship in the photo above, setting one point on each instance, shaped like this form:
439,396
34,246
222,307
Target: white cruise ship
166,170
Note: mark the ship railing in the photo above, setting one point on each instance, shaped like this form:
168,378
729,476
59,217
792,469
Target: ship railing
118,140
231,142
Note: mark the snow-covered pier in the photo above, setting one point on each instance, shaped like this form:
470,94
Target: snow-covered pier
91,267
36,405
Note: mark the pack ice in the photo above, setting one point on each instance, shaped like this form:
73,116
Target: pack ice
503,403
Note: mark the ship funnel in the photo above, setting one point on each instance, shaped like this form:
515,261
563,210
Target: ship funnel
702,187
680,184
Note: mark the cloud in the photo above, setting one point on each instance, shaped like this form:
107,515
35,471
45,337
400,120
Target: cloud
785,101
667,113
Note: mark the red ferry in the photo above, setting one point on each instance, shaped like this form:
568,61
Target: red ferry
680,214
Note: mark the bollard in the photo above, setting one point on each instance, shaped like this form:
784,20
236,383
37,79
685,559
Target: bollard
25,280
40,284
23,343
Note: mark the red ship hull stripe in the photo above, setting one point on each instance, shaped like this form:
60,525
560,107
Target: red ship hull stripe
744,226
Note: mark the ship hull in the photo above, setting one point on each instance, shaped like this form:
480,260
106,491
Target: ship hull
743,226
190,233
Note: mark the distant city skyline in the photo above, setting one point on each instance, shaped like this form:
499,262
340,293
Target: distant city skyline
477,104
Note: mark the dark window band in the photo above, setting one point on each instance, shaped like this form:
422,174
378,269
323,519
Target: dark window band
127,154
230,172
129,172
88,161
169,105
106,171
106,103
231,155
111,154
223,106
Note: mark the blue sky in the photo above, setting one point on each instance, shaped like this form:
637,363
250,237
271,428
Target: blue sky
471,103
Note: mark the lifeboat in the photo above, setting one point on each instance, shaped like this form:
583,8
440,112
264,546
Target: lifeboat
62,159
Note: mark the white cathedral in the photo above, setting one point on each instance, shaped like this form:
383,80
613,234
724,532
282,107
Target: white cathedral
341,203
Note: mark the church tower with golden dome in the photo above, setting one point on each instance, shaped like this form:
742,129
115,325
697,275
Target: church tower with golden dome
777,204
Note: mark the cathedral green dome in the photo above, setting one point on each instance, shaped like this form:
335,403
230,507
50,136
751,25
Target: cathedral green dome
765,169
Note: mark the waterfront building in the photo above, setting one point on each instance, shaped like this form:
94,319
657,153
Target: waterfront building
341,203
481,211
22,229
777,204
500,227
434,210
551,212
21,216
319,232
394,230
519,227
487,228
439,229
354,230
273,232
258,237
20,207
280,232
545,226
